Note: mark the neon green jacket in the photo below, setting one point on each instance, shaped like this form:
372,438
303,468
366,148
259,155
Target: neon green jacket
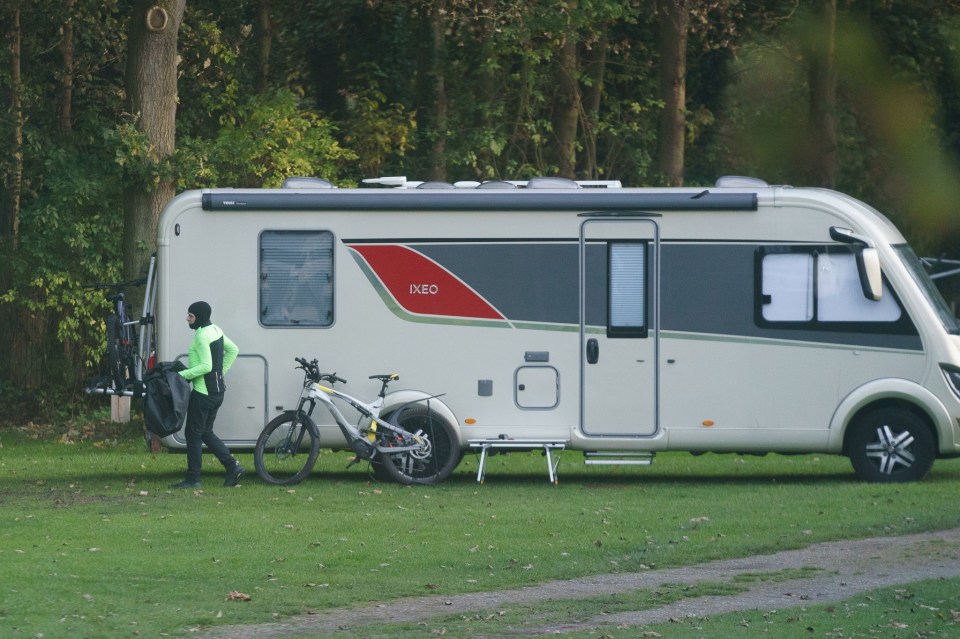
211,355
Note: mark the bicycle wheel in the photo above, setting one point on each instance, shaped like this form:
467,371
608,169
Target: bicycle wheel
287,449
438,456
115,352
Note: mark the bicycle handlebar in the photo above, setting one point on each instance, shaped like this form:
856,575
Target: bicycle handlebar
313,373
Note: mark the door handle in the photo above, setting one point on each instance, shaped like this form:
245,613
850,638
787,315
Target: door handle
593,351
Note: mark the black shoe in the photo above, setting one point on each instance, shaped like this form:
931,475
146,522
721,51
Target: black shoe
186,483
234,475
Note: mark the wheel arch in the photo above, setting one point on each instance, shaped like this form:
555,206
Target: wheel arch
892,393
396,399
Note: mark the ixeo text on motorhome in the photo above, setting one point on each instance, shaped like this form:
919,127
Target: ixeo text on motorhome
614,321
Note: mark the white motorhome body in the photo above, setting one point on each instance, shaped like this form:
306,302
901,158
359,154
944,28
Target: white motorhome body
612,320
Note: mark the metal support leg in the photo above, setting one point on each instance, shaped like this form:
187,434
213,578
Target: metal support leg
481,470
551,464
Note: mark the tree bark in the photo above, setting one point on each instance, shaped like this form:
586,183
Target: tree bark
674,19
266,42
10,209
441,109
65,93
594,70
566,112
151,83
822,74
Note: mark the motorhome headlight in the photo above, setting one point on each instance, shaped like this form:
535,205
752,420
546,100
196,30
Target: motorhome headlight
952,373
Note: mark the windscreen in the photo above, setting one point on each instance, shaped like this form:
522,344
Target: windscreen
929,289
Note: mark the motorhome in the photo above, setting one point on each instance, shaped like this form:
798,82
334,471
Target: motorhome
586,316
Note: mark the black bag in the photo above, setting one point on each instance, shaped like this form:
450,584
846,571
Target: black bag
165,399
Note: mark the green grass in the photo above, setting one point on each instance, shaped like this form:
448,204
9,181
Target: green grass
92,543
926,609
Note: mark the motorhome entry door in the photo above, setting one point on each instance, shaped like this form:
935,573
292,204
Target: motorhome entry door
619,326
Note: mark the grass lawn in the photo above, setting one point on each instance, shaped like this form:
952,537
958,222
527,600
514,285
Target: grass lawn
93,544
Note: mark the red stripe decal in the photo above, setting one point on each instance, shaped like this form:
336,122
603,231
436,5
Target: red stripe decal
422,286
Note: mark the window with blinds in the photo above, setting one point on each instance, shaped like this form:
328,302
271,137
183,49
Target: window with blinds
818,287
627,301
296,278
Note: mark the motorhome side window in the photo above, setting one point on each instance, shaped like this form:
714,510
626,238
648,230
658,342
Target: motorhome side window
627,307
296,278
810,286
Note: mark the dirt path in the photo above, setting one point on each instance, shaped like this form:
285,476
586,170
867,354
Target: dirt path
846,568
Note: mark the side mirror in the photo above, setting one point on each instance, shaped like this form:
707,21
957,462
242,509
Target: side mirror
868,261
868,266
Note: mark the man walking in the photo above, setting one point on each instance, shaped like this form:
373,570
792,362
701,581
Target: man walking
211,355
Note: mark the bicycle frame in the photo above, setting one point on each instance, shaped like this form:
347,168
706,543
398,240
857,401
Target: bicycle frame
397,432
135,331
355,438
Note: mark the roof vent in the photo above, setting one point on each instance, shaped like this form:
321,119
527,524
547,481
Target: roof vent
740,181
435,185
497,184
552,183
306,183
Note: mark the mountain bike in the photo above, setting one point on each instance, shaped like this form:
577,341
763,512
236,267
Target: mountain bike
413,444
123,355
130,342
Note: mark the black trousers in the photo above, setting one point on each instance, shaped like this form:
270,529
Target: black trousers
201,413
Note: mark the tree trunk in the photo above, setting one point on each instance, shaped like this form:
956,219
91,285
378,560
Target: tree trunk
566,112
823,95
674,18
487,93
151,83
10,205
441,106
266,41
65,93
592,99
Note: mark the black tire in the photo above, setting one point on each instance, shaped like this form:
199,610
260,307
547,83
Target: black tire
115,352
891,445
439,457
287,449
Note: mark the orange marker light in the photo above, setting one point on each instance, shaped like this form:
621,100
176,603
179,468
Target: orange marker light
708,423
470,421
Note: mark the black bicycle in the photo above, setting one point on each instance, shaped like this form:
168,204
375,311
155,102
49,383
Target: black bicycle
122,340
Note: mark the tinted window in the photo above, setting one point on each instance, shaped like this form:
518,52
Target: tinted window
296,278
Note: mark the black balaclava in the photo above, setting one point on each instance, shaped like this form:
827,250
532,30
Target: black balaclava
201,313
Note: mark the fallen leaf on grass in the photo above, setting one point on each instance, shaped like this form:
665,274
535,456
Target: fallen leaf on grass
237,596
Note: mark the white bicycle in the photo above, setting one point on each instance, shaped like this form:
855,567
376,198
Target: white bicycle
413,444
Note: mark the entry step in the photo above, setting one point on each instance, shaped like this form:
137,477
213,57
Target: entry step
618,458
505,443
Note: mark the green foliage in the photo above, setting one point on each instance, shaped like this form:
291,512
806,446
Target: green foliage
378,134
212,75
346,89
270,138
69,237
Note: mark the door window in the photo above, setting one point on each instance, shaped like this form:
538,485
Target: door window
627,308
